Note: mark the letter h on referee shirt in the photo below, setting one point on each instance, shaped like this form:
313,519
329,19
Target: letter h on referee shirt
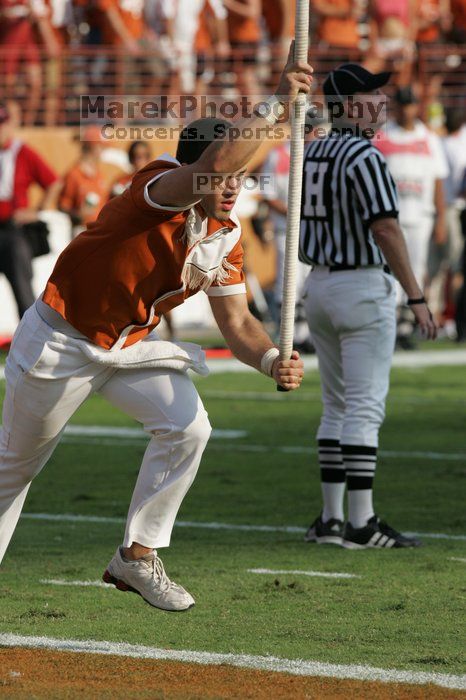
314,188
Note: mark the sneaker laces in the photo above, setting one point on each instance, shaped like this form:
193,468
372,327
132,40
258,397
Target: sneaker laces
160,575
153,562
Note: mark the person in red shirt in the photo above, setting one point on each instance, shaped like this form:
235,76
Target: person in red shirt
20,167
170,235
21,21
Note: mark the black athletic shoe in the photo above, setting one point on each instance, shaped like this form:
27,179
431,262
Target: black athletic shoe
330,532
376,534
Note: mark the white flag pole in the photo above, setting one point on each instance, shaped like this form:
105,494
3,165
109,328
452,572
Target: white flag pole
298,115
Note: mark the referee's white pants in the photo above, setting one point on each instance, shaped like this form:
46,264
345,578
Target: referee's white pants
48,378
351,316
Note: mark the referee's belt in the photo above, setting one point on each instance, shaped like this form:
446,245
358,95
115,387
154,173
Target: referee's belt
342,268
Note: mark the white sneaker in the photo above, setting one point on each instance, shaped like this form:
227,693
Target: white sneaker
147,577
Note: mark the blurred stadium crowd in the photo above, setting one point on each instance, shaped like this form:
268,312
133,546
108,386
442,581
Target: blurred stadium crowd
53,51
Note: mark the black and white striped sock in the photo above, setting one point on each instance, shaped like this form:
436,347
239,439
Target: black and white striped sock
360,462
332,476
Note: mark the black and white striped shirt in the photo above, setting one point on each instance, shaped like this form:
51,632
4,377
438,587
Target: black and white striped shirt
346,187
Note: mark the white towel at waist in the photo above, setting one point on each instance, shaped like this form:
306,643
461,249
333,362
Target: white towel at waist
150,352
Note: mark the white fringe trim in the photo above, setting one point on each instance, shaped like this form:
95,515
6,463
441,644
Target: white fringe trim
190,235
195,278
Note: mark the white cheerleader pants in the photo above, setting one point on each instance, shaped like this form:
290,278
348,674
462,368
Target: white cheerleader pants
48,377
351,315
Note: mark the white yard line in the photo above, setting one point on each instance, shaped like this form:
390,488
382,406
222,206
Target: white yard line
280,449
71,518
430,358
107,434
101,584
136,433
303,449
104,441
290,529
297,572
62,582
296,667
461,559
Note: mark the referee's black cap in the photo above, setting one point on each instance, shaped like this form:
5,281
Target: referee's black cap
351,78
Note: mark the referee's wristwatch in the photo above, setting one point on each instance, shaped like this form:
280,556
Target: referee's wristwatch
415,302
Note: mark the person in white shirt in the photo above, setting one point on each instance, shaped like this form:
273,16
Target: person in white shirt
418,165
454,145
185,17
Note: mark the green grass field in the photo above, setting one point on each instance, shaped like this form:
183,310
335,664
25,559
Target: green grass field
404,612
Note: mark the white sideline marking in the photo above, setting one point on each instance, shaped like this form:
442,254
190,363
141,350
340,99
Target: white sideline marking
71,518
281,449
297,667
416,359
107,435
322,574
436,536
136,433
62,582
303,449
292,529
243,528
101,584
103,441
457,559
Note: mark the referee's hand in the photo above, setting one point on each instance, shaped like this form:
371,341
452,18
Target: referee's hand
289,373
425,321
296,77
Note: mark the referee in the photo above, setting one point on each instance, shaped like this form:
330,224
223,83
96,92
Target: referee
351,238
